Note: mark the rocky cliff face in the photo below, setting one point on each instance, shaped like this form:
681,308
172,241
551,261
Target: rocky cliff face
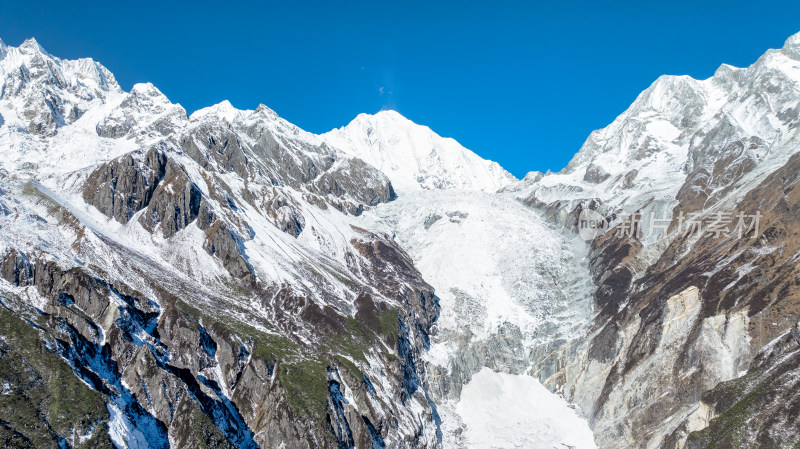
515,297
685,312
196,281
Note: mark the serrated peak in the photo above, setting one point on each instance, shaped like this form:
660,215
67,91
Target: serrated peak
222,110
32,45
791,47
146,89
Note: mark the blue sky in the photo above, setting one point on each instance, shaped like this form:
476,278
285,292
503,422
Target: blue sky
522,83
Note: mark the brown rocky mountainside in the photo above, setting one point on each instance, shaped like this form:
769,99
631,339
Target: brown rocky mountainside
696,281
194,282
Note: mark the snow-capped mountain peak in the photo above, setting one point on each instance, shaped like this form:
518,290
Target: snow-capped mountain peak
147,96
34,57
413,156
223,110
32,45
792,47
676,131
383,118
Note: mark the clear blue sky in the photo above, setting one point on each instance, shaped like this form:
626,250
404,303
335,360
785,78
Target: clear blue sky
517,82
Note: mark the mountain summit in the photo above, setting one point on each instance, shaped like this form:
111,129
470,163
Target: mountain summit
414,157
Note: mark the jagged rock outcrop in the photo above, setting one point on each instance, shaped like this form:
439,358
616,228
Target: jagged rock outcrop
176,202
144,110
228,247
352,176
124,186
758,409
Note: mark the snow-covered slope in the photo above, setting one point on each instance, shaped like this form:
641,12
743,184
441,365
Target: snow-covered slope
505,410
414,157
705,136
684,311
220,251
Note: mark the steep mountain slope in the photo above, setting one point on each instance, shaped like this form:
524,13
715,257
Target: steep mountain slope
683,140
203,275
414,157
683,308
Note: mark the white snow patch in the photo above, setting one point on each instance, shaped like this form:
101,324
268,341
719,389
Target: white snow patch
122,432
512,411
